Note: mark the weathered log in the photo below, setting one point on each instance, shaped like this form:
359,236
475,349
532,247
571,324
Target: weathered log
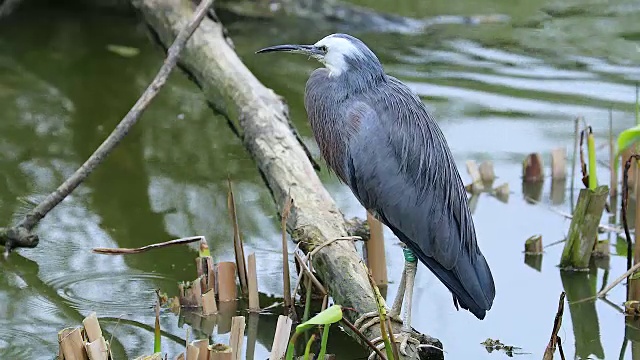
262,118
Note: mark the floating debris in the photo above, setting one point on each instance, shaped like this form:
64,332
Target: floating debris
496,345
124,51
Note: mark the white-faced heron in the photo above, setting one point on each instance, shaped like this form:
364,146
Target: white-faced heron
379,139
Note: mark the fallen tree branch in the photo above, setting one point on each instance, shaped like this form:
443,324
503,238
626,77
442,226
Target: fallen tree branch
122,251
261,116
20,235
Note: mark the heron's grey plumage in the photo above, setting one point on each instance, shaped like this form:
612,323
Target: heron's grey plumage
379,139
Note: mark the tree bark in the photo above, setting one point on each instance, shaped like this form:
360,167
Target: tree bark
262,118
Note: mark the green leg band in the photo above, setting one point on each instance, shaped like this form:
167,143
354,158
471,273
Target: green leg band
409,256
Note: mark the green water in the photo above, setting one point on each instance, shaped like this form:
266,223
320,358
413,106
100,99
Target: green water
499,91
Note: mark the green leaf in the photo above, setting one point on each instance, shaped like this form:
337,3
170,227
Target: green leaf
621,247
626,138
330,315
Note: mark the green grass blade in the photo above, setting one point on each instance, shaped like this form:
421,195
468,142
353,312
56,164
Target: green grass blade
591,150
307,349
291,346
157,336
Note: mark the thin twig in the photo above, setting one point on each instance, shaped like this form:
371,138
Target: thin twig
603,227
583,165
122,251
557,322
317,248
573,160
617,281
394,346
625,203
309,274
560,348
32,218
364,338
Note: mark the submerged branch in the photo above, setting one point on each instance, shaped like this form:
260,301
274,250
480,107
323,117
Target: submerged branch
122,251
20,235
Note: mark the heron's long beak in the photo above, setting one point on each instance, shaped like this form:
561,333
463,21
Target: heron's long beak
299,49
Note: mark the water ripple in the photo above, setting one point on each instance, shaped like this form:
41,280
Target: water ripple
109,293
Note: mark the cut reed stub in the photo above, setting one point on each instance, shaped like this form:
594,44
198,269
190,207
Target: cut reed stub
209,306
486,172
502,192
190,293
72,344
156,356
601,250
376,257
583,231
281,338
559,163
220,352
238,247
203,349
204,266
193,351
236,339
96,347
476,185
252,274
227,289
533,245
532,168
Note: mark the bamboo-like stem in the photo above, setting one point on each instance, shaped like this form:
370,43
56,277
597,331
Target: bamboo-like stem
285,254
254,299
238,247
613,170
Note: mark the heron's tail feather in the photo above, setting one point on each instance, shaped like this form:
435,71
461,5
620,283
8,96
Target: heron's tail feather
470,280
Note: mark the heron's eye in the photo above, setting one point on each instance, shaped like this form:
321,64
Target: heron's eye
323,48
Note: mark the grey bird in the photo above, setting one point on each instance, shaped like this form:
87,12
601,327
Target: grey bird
378,137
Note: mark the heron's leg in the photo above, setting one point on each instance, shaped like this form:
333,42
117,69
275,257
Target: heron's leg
397,302
411,267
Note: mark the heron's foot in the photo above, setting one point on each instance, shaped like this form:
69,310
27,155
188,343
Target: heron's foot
367,320
404,338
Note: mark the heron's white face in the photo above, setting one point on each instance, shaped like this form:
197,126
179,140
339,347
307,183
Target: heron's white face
337,49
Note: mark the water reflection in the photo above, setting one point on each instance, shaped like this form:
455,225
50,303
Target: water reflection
580,285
